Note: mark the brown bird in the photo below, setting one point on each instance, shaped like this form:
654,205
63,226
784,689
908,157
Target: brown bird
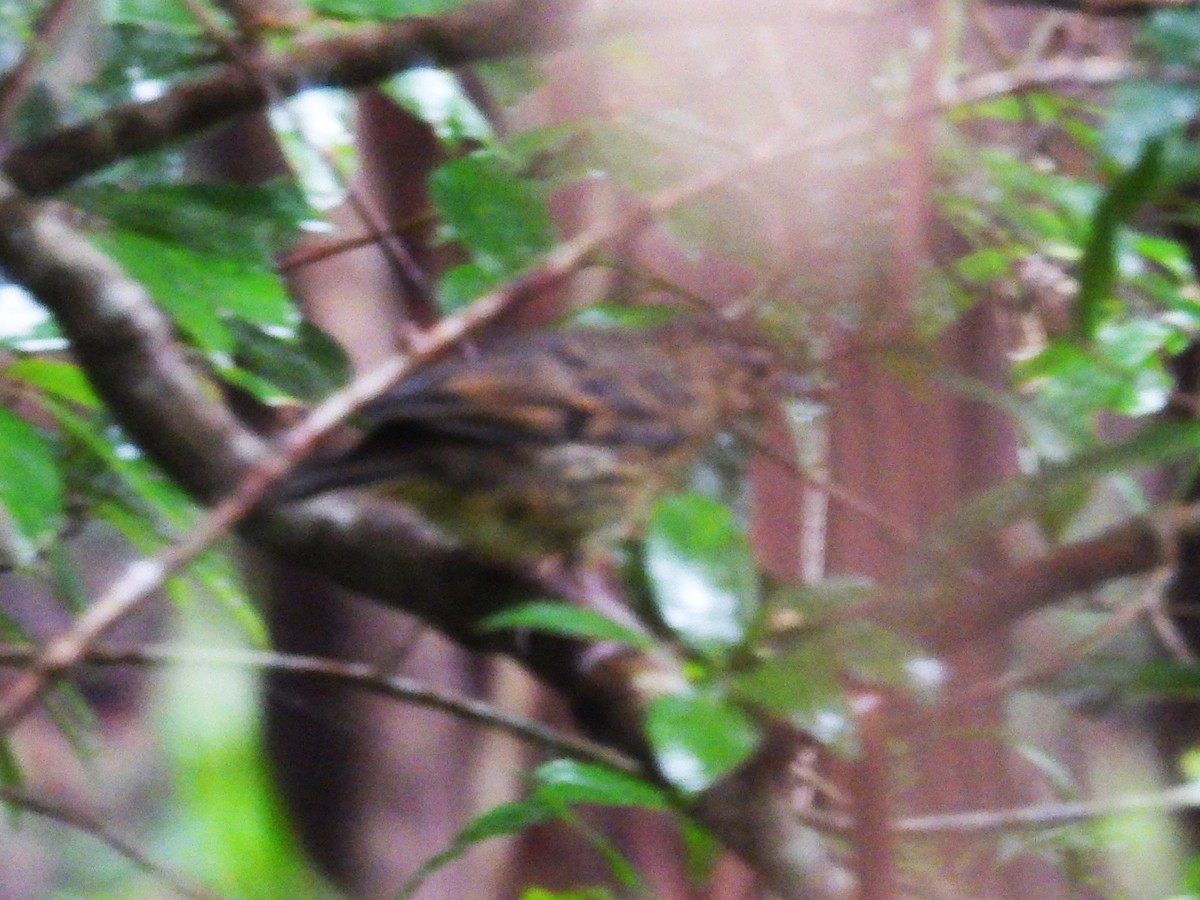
553,443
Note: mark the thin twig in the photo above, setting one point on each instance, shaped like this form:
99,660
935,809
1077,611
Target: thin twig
1052,815
418,293
17,80
107,835
1100,7
360,674
1124,618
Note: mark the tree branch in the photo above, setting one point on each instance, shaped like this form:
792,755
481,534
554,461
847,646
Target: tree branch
365,56
1100,7
351,59
359,674
956,614
105,834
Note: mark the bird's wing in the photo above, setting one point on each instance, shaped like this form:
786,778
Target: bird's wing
552,392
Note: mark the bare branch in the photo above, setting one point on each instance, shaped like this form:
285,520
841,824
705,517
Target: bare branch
1052,815
956,614
359,674
1100,7
107,835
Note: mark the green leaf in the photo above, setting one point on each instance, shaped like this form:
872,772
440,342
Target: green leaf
1098,270
200,290
701,573
1143,111
214,577
565,619
67,581
167,500
500,821
871,654
701,850
31,488
461,284
698,738
155,14
64,380
570,783
381,10
307,364
538,147
1171,255
987,264
251,224
608,316
1191,877
821,598
802,686
10,766
74,719
437,98
1155,443
505,819
501,218
225,806
1174,36
1167,678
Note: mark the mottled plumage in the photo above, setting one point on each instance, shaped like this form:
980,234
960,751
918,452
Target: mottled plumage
548,443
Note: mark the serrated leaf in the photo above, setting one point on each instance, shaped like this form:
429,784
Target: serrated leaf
571,783
30,485
500,217
701,573
699,738
565,619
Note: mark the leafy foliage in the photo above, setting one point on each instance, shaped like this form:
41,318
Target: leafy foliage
1084,253
500,217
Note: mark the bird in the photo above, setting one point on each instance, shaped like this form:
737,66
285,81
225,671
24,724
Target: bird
555,442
